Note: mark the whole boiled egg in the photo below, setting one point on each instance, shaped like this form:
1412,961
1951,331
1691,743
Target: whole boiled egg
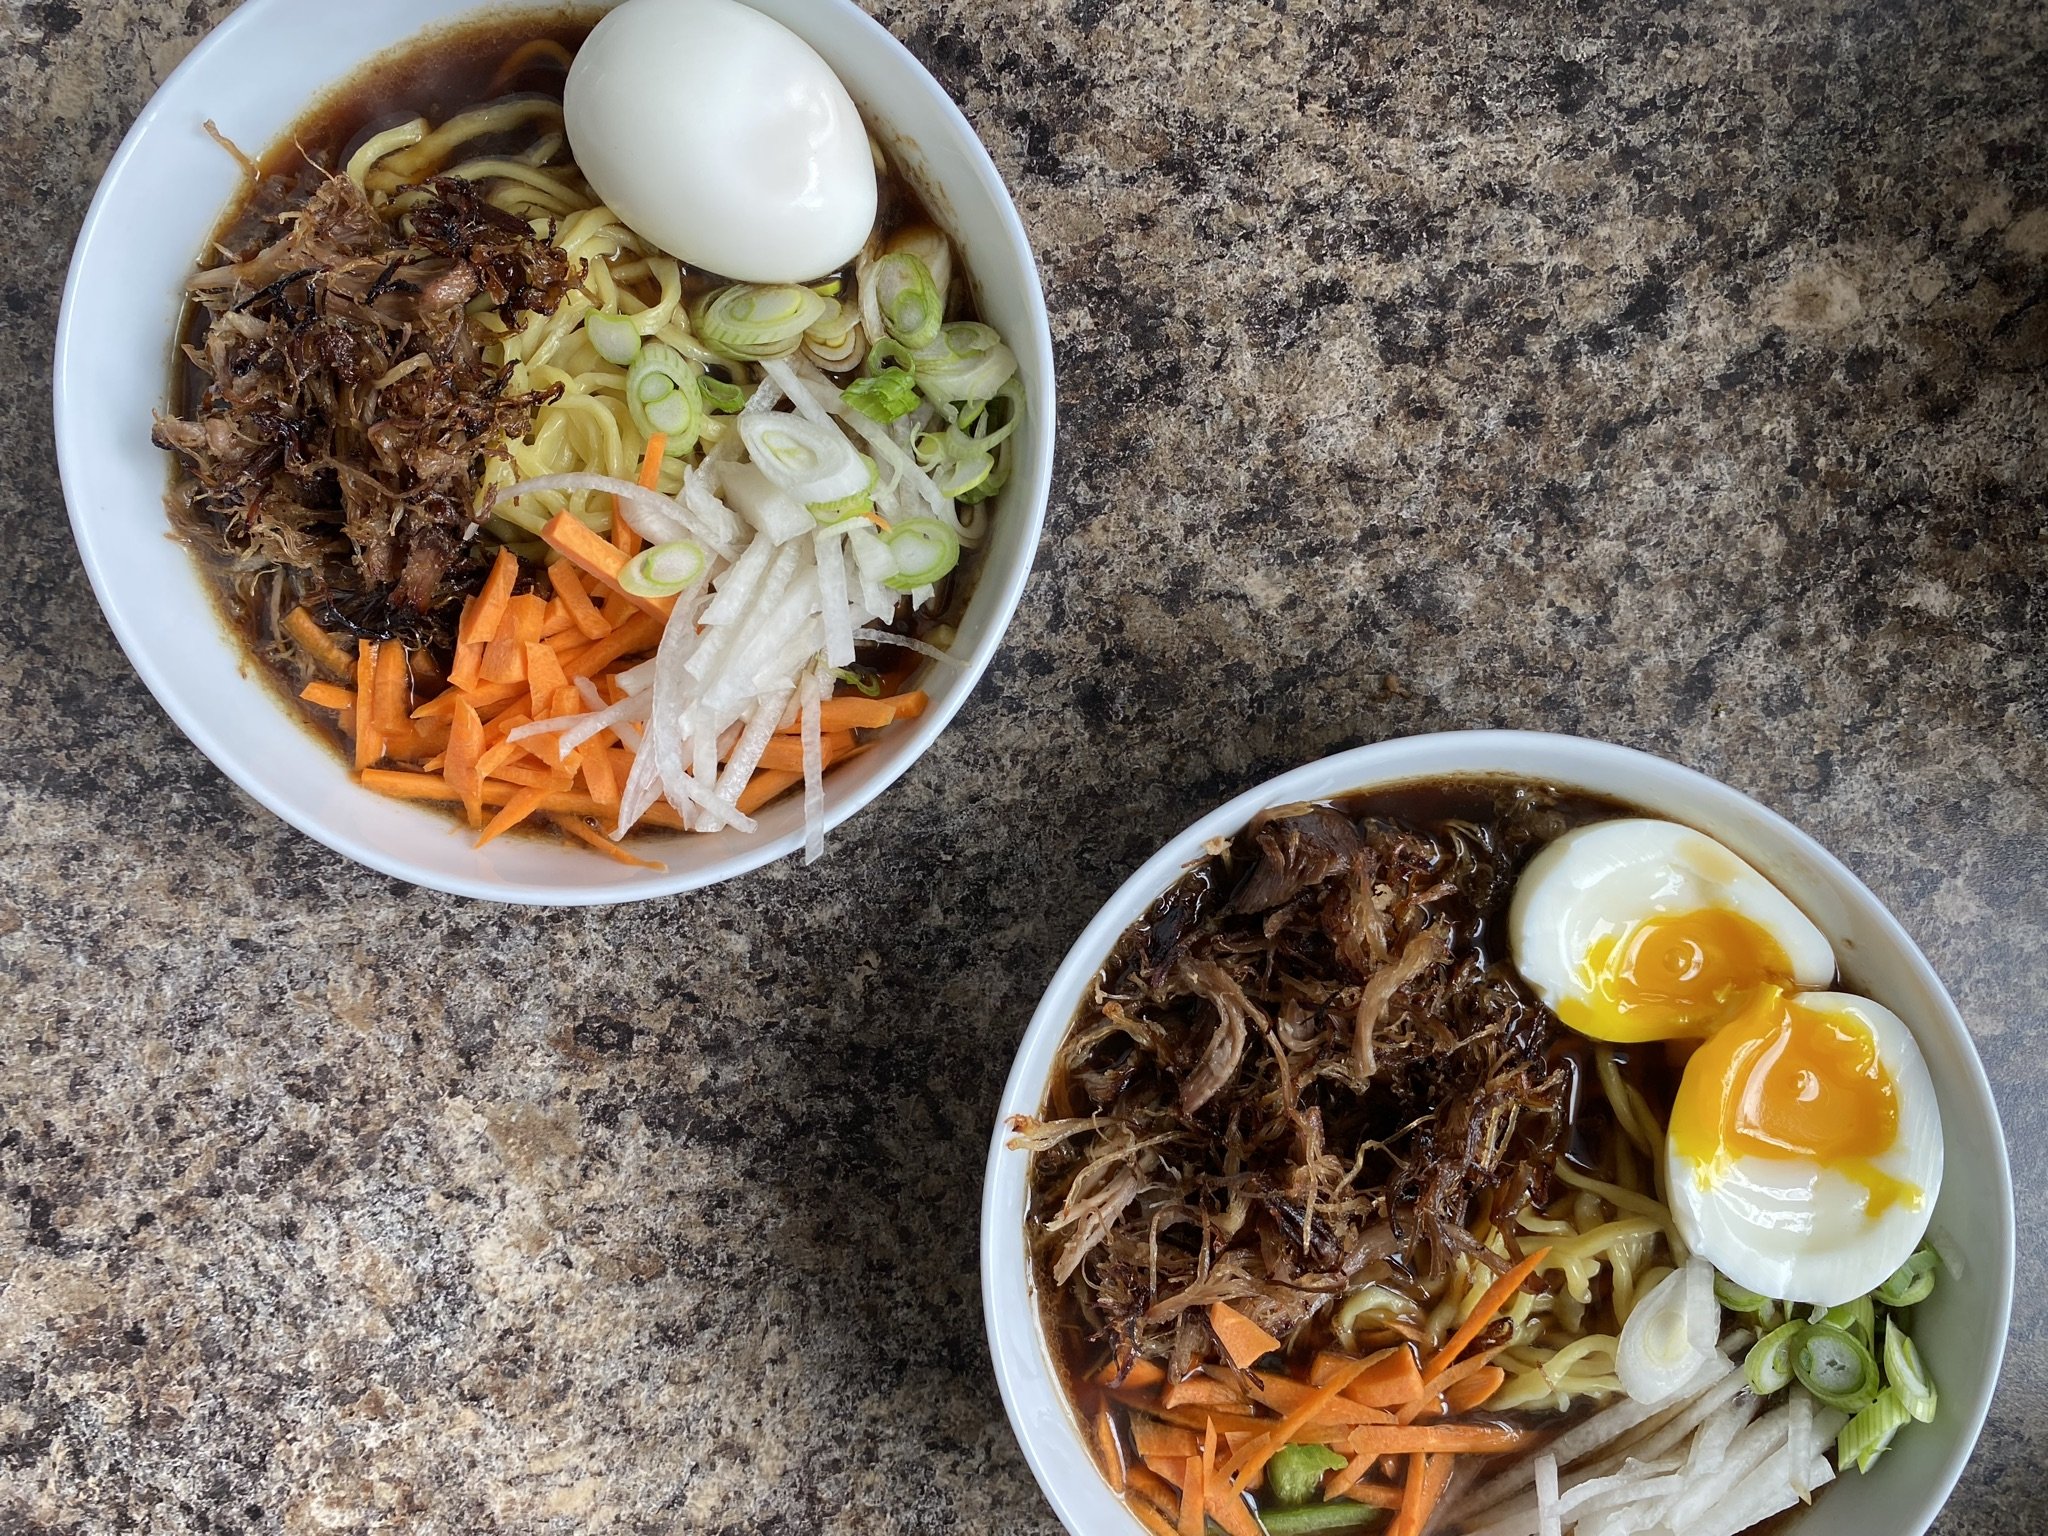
1638,929
1804,1153
719,135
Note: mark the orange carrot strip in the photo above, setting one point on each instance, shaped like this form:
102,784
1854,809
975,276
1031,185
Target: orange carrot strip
1431,1402
853,712
1497,1296
532,775
1143,1373
480,622
598,777
1314,1432
1245,1467
1201,1471
1200,1391
1408,1439
1428,1476
576,601
764,786
1284,1396
517,808
1378,1495
505,656
1242,1339
1108,1450
317,643
1193,1501
328,695
557,620
1154,1437
544,677
392,688
578,828
1475,1390
1155,1497
600,558
369,740
787,753
638,633
402,785
650,461
465,748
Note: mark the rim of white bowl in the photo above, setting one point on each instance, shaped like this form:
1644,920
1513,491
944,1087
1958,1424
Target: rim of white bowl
1027,499
1033,1397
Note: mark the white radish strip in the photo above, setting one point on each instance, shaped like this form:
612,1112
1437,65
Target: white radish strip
883,637
762,597
588,691
1548,1522
1799,1440
1684,1422
699,499
772,668
772,511
876,565
704,736
766,396
801,395
735,587
887,450
746,756
642,789
649,513
1770,1489
814,769
921,597
637,679
577,729
1743,1456
770,623
838,618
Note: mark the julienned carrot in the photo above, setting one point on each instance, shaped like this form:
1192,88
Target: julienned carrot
1497,1296
328,695
1155,1437
576,601
1142,1373
582,830
369,740
481,621
1314,1432
403,785
1202,1470
855,713
1155,1497
1475,1390
465,748
1108,1450
1428,1476
392,689
1378,1495
317,643
1242,1339
638,633
517,808
1194,1510
787,752
1245,1466
600,558
1406,1439
650,461
544,676
764,786
1199,1391
1283,1396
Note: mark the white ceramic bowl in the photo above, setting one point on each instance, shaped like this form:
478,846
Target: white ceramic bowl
259,71
1961,1330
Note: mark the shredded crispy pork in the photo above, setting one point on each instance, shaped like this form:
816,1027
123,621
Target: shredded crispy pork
1305,1060
347,411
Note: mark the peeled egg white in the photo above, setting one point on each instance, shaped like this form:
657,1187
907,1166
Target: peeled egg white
720,136
1800,1231
1598,882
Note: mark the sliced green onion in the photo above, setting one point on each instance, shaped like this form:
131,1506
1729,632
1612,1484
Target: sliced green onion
1295,1474
967,361
1835,1368
812,461
721,396
829,289
1912,1282
998,478
1905,1374
1865,1436
616,338
844,508
749,322
925,550
865,683
662,395
956,462
1311,1519
1768,1365
1736,1299
883,396
909,301
663,570
1856,1318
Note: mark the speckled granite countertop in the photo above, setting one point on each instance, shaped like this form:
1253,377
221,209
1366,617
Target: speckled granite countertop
1673,374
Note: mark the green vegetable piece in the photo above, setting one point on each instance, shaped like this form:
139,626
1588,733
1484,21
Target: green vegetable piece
749,321
883,396
1295,1474
1311,1519
1912,1282
1864,1438
1857,1318
721,396
1738,1299
908,299
1906,1375
1835,1368
616,338
1768,1365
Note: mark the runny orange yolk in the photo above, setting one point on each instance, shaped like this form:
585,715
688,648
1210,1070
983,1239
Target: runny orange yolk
1676,975
1783,1082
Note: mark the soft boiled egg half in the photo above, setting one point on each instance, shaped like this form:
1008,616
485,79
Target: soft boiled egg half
1804,1151
720,136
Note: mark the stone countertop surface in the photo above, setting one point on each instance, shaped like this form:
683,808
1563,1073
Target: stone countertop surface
1667,373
